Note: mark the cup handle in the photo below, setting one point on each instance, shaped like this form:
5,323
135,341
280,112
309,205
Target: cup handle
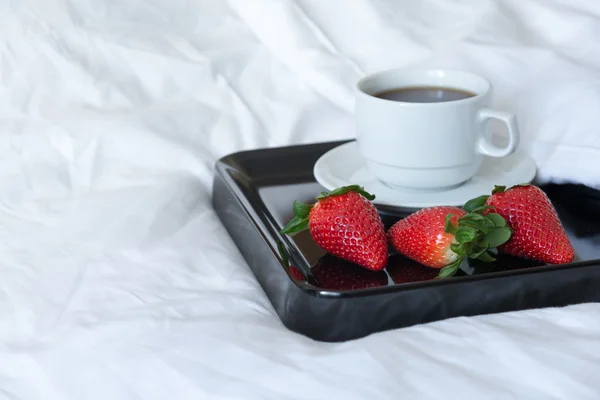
485,145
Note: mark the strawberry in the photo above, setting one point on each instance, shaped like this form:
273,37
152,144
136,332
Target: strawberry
334,273
345,223
537,232
405,270
443,237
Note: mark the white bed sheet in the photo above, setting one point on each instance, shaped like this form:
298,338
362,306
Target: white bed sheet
117,280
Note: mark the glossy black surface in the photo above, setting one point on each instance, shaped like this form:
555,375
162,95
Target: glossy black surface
253,193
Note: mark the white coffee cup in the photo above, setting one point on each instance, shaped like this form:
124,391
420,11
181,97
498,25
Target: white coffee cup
434,146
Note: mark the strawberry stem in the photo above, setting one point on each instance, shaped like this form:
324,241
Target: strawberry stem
477,202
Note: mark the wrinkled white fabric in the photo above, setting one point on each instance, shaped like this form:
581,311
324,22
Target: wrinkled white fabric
117,280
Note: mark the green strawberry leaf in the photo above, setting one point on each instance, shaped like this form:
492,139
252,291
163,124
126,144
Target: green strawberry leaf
451,269
478,251
498,236
472,217
480,210
465,234
302,210
498,189
497,220
478,225
297,224
475,203
488,223
486,256
345,189
457,248
449,227
300,220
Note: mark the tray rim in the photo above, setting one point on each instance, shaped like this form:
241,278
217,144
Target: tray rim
223,168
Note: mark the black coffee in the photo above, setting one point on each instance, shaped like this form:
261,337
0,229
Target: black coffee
424,94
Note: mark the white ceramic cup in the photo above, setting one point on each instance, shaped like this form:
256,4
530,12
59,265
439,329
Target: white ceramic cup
428,146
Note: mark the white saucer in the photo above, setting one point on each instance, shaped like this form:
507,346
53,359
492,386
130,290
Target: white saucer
344,166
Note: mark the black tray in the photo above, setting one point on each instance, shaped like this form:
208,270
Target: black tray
253,194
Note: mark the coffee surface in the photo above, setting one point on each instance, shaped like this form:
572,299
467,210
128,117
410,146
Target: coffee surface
424,94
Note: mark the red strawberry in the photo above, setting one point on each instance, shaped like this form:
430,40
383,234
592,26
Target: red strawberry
537,232
421,236
443,237
346,224
334,273
405,270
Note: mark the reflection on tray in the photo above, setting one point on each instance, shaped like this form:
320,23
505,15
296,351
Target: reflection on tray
333,273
